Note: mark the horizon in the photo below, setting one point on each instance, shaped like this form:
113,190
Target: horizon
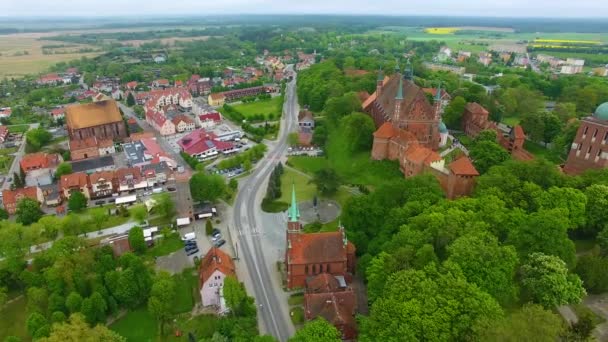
558,9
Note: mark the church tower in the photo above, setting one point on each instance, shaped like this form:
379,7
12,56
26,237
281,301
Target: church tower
293,223
437,103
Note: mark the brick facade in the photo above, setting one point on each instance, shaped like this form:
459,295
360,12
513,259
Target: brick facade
590,147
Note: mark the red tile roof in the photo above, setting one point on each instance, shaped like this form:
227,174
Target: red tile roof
475,107
215,116
322,283
132,85
338,308
179,118
105,175
317,248
385,131
217,96
518,132
58,111
78,179
11,197
420,154
463,167
215,260
39,160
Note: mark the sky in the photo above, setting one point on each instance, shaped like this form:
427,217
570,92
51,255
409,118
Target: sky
490,8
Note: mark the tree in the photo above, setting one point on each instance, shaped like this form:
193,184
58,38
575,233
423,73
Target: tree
3,214
208,227
338,107
73,302
597,202
94,308
547,282
487,264
530,323
240,304
3,296
358,130
293,139
486,154
452,115
521,100
319,136
207,187
63,169
592,270
162,299
458,310
28,211
317,330
18,181
37,138
164,205
130,99
137,240
76,329
77,201
35,322
327,181
139,213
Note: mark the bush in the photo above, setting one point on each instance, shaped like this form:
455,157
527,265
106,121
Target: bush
208,227
271,206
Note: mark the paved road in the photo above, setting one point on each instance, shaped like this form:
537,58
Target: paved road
18,155
276,321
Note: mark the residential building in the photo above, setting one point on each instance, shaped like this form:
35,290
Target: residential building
602,71
589,149
91,147
160,122
90,165
51,195
485,58
444,67
214,268
205,145
39,168
103,184
156,173
120,244
130,179
50,79
308,255
162,83
3,133
573,66
155,153
329,297
198,85
131,85
11,198
183,123
58,113
444,54
463,56
306,119
5,112
209,120
216,99
74,182
98,119
410,130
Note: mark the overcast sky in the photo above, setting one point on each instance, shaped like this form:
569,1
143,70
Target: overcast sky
504,8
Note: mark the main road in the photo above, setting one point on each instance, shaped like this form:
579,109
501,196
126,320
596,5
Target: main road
275,320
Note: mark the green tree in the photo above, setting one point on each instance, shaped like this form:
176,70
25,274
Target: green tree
521,100
592,270
486,154
208,227
139,213
458,310
317,330
3,214
530,323
597,202
3,296
137,240
76,329
35,322
28,211
73,302
358,130
164,205
207,187
162,298
487,264
18,181
452,115
130,100
327,181
94,308
37,138
240,304
546,281
64,168
338,107
293,139
77,201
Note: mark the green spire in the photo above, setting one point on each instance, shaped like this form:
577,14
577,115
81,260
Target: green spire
438,95
399,95
294,212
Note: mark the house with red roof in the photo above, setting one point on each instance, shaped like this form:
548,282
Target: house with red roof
160,122
75,182
58,113
209,120
131,85
183,123
39,160
3,133
6,112
162,83
50,79
214,268
204,145
11,198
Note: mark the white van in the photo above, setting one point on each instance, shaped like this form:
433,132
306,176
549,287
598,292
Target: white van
157,190
189,236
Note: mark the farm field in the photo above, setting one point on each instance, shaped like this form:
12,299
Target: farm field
165,41
21,54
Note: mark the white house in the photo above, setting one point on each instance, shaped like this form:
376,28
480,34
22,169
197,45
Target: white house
214,268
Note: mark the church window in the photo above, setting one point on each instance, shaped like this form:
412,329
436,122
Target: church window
595,133
586,129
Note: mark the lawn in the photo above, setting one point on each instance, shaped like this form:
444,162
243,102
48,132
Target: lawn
166,246
137,326
18,128
263,107
15,325
305,191
542,152
296,299
187,291
202,327
297,315
512,121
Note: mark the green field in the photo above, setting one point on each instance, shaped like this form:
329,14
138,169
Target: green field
18,128
542,152
166,246
187,291
305,191
12,320
137,326
264,107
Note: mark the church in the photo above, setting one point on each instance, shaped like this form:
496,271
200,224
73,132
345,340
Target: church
410,130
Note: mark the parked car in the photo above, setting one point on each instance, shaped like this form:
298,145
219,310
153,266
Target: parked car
101,202
219,243
171,189
215,232
192,251
216,237
189,242
147,193
190,247
189,236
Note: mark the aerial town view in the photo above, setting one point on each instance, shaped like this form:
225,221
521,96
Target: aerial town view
303,172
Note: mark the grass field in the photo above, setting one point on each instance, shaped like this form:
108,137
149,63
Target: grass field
511,121
15,326
21,54
264,107
18,128
187,291
166,246
541,151
202,327
137,326
304,190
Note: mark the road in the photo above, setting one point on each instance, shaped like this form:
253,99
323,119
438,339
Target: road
275,320
18,155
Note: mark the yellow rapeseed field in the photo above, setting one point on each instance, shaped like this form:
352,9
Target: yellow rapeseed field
566,41
441,30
